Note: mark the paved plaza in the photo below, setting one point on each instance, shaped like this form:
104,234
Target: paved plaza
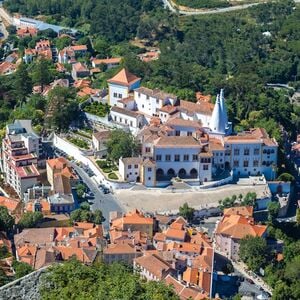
166,201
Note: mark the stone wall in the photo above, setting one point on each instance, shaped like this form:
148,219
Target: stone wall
25,288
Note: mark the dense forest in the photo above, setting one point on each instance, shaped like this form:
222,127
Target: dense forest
240,51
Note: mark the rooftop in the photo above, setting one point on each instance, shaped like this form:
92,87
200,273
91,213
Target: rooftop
124,77
177,141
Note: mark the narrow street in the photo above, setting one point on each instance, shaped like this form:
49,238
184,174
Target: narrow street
104,202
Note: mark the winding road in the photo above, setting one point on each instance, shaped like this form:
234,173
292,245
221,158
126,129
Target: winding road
168,4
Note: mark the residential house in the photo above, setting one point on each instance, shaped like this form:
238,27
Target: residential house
135,221
120,85
152,267
79,70
14,206
99,140
231,229
108,62
121,252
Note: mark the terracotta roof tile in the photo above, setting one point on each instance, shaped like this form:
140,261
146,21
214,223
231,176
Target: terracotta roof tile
124,77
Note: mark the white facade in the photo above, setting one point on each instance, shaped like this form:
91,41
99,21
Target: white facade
116,93
126,118
130,168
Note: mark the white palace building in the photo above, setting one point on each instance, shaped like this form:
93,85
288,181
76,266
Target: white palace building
192,141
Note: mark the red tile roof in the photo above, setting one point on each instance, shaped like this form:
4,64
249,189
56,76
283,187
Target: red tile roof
124,77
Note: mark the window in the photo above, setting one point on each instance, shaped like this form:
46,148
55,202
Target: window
149,178
143,106
246,151
149,169
195,157
157,101
129,167
147,149
236,163
177,133
147,97
246,163
256,151
186,157
227,152
136,166
168,157
236,151
158,157
255,163
189,133
115,95
120,95
177,157
131,123
205,167
139,95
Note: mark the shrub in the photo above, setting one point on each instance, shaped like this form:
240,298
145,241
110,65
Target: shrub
113,176
106,170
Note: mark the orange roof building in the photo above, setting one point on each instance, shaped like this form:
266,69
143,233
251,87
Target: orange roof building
13,205
152,267
246,211
232,228
120,85
134,221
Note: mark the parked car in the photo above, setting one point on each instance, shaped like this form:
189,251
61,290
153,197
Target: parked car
250,280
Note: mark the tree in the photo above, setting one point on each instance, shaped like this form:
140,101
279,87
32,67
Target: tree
85,215
121,144
11,29
100,281
30,219
253,251
6,220
62,42
22,83
228,268
41,73
286,177
80,188
21,268
292,270
64,109
273,209
186,212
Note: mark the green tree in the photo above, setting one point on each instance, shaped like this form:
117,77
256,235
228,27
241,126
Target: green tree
6,220
273,209
228,268
62,42
41,73
121,144
292,270
100,281
30,219
286,177
63,109
85,215
253,251
186,212
4,252
80,188
21,268
22,83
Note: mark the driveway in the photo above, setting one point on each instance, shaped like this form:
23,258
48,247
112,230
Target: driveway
104,202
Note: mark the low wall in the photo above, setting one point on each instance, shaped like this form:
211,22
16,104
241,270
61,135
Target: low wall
25,288
81,156
217,183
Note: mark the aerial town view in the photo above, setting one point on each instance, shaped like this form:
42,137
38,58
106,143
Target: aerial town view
149,149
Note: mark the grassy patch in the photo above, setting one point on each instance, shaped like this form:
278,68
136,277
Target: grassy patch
96,108
79,143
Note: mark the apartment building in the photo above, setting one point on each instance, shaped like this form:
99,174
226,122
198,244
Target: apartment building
21,149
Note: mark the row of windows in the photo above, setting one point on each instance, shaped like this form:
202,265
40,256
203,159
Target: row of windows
125,121
256,151
186,157
116,95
